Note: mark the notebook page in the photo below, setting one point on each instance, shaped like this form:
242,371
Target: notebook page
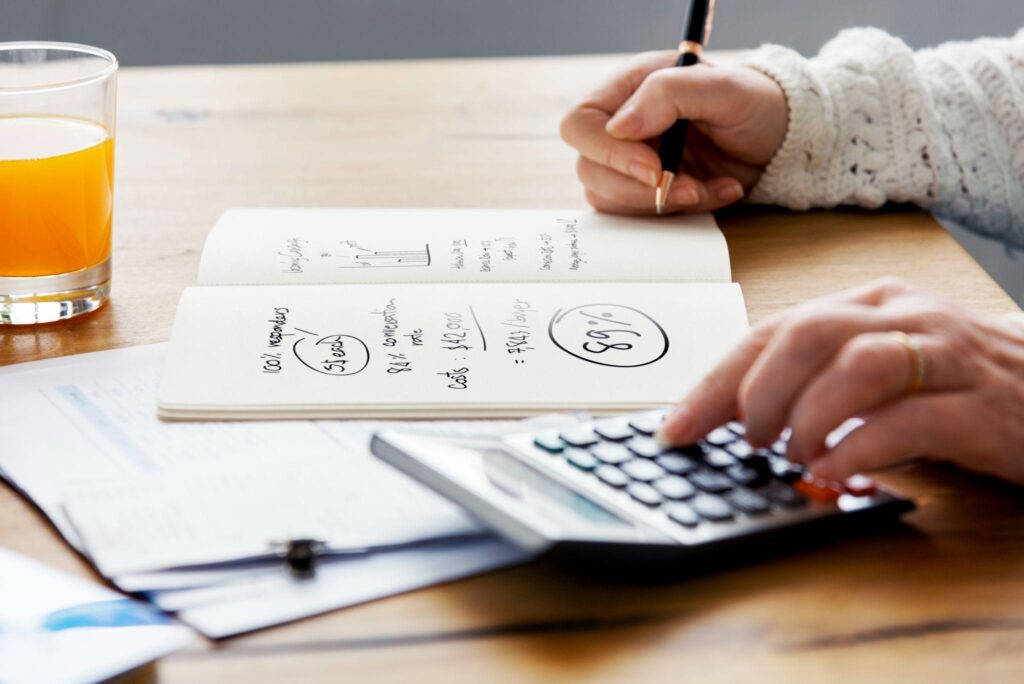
426,350
311,246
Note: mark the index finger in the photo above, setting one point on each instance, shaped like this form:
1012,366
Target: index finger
583,127
614,93
713,401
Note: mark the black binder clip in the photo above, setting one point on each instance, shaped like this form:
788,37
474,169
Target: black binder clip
301,556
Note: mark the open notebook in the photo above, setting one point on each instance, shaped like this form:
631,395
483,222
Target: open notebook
426,313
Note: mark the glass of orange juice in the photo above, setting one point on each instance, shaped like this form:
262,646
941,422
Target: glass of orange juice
57,107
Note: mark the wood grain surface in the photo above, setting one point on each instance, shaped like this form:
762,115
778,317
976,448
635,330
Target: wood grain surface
940,598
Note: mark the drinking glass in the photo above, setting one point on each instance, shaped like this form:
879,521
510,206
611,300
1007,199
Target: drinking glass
57,108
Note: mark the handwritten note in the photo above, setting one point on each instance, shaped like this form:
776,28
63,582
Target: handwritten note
309,246
590,331
427,349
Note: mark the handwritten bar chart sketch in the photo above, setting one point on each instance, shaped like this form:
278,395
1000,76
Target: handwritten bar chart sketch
366,258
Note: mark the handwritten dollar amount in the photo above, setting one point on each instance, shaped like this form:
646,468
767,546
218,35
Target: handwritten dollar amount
609,335
337,355
454,337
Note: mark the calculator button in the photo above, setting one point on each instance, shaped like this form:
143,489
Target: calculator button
681,513
761,463
611,452
740,449
786,471
549,442
644,493
783,495
676,464
718,458
611,476
645,447
748,502
720,436
692,450
818,490
860,485
745,475
646,424
674,487
712,507
583,460
737,428
644,471
711,481
613,431
581,436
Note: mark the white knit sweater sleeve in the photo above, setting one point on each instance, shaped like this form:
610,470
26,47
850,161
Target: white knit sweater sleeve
872,121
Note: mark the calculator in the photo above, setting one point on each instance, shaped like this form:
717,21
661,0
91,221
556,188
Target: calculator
608,491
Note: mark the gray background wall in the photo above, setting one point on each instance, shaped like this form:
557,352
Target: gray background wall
210,31
145,32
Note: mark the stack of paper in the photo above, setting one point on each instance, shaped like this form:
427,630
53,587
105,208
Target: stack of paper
192,515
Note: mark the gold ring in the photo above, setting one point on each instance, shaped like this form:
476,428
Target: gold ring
917,360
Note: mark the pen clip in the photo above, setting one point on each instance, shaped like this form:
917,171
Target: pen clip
693,47
709,22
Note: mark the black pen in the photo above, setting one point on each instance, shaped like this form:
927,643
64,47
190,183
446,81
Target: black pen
695,34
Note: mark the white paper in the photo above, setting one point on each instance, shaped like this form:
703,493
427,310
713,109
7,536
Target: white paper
77,422
93,425
87,424
223,514
49,444
275,598
55,628
323,246
428,350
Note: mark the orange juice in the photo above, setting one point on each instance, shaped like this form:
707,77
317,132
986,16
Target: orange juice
56,195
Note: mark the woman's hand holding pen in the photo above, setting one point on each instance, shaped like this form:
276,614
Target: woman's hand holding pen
738,120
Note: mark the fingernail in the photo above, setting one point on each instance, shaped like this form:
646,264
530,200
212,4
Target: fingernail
702,193
675,426
823,469
644,174
733,192
687,195
626,121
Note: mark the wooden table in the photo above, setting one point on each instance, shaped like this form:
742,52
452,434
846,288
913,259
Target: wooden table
940,599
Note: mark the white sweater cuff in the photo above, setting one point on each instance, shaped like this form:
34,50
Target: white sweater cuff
856,125
785,178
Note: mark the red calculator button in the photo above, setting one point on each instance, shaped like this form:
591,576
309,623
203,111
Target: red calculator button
817,490
860,485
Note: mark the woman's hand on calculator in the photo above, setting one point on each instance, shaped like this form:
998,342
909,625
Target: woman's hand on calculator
928,378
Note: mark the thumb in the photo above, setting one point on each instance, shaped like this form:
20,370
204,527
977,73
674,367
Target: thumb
701,93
